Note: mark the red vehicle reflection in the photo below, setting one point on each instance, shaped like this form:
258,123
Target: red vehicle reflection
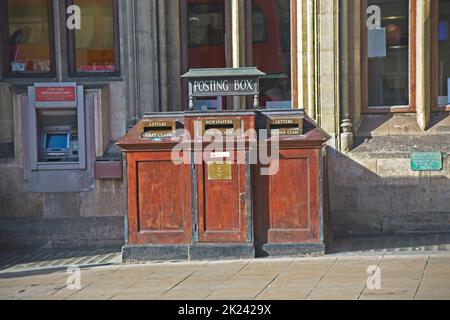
270,41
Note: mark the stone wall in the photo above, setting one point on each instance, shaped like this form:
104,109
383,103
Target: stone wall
374,191
82,219
88,219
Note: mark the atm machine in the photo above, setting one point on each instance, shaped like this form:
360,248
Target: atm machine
58,138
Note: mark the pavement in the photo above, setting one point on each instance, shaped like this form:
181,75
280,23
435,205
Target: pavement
411,276
406,267
41,259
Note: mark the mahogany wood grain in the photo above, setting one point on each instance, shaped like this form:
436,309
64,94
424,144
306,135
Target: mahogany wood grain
294,198
158,199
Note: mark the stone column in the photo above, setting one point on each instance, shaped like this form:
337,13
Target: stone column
328,68
300,58
350,70
129,58
147,56
423,62
316,61
311,57
238,42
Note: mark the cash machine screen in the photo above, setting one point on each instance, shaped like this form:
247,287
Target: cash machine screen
57,141
59,144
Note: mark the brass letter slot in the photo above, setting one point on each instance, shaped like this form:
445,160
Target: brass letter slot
226,127
158,129
286,127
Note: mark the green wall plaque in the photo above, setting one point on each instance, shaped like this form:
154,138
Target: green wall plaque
426,161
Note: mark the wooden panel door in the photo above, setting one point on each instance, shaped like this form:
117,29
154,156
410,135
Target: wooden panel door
222,205
159,206
294,198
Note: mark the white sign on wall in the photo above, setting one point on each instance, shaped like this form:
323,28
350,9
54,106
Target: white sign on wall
448,91
377,43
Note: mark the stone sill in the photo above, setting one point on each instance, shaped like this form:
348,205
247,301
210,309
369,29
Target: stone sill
400,146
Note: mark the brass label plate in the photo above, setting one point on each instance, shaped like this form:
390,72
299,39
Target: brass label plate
158,129
226,127
286,126
220,171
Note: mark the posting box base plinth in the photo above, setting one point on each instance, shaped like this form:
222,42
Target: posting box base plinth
291,249
144,253
222,251
193,252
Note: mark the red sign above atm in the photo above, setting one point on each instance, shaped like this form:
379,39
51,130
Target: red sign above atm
56,94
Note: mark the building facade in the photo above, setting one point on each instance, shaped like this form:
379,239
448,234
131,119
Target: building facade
373,74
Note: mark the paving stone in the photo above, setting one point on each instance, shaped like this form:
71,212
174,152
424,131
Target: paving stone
192,294
234,294
251,280
101,294
400,283
435,285
224,267
388,294
433,293
265,267
335,294
283,281
283,294
138,294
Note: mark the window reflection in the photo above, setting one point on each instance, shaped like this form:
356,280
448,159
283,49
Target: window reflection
29,43
444,51
206,33
95,42
388,51
271,50
206,42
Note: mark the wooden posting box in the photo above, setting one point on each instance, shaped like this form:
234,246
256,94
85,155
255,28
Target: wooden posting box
290,203
158,188
222,178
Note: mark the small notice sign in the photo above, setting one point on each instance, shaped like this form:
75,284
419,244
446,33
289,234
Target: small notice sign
56,94
426,161
448,88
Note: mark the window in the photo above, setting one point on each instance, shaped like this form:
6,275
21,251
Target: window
443,43
206,34
271,51
27,43
94,48
205,25
388,53
206,43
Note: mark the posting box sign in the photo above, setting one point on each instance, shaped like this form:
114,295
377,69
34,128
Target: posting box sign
55,94
219,82
224,87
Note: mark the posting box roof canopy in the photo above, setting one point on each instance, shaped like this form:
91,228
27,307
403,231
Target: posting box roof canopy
223,73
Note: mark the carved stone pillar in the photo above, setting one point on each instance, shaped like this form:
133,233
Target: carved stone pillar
423,63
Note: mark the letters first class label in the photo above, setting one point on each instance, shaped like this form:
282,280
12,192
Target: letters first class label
158,129
56,94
